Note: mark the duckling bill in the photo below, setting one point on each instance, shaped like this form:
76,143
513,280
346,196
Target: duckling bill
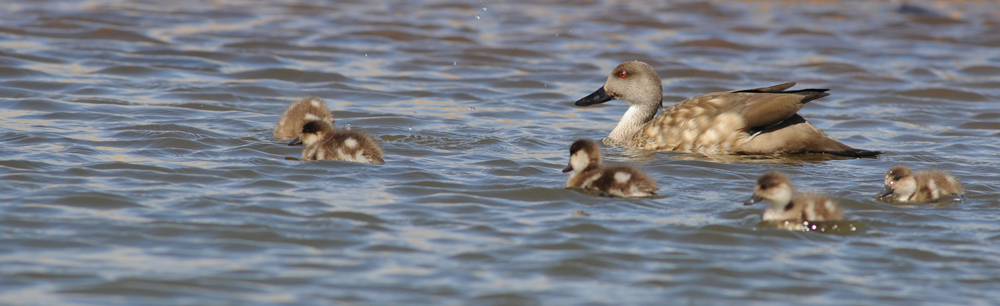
323,142
585,172
904,185
775,188
759,121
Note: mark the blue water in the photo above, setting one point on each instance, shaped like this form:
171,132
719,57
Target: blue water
138,168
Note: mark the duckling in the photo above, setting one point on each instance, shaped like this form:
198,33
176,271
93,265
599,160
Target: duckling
923,186
586,173
759,121
777,189
297,114
323,142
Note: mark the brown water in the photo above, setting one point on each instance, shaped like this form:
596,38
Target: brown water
138,168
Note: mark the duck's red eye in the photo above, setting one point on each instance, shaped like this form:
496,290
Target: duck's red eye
622,74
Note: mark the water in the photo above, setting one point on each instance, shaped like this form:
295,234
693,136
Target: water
138,168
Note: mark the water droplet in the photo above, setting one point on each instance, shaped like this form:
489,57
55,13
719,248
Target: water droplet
484,9
477,16
557,35
348,126
472,108
454,64
411,127
366,54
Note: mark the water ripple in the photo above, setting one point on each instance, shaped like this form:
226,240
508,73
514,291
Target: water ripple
138,165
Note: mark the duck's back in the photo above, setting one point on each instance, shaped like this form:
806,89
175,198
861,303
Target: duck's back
347,146
708,123
818,208
622,181
932,185
806,207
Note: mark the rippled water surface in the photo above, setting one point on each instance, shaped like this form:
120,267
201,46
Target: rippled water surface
138,166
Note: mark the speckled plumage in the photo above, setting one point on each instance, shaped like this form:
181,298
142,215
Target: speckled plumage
323,142
775,188
922,186
586,172
760,121
297,114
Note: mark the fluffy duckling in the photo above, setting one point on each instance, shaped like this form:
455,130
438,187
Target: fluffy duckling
923,186
323,142
777,189
297,114
759,121
586,172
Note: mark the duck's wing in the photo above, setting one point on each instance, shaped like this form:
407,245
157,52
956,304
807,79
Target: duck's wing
770,116
776,88
768,106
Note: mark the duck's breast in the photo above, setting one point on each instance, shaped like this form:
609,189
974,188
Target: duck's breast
313,152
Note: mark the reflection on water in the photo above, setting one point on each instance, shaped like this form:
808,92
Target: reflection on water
138,165
831,227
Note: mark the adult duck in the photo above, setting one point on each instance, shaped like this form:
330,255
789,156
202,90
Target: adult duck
759,121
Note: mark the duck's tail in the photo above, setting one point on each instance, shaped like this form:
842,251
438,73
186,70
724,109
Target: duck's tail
833,147
856,153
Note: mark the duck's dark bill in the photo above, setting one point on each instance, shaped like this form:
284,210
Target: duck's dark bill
753,199
295,142
599,96
568,169
885,192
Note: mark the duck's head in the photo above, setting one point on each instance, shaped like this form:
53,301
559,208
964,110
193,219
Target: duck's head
634,82
312,132
899,181
583,155
316,110
773,187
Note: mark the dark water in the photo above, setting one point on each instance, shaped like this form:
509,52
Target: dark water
138,167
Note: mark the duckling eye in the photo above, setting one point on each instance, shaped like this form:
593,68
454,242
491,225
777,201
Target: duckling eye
622,74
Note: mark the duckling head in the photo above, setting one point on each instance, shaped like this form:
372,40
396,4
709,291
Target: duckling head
313,132
318,110
584,155
899,181
634,82
773,187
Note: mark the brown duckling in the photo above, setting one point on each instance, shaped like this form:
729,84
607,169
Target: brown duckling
759,121
922,186
323,142
777,189
297,114
586,172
